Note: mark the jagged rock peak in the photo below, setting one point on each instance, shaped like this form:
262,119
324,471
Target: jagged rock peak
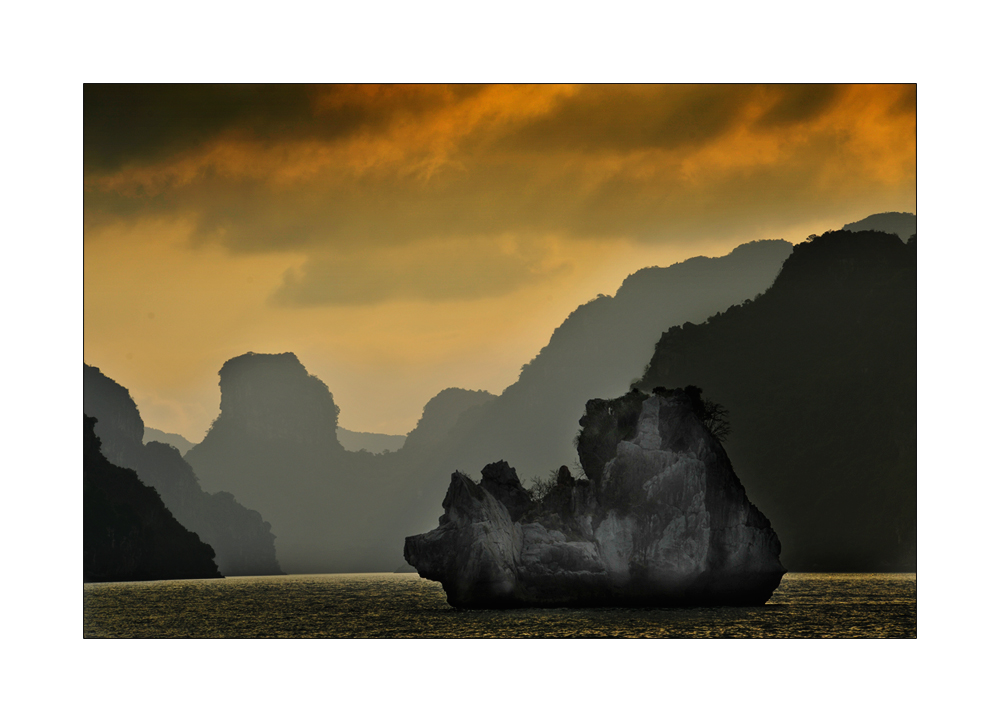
119,425
667,522
272,396
501,481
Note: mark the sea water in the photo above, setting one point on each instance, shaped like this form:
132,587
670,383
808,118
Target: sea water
405,605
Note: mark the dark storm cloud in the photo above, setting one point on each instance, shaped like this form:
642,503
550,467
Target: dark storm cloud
141,123
623,118
907,102
799,104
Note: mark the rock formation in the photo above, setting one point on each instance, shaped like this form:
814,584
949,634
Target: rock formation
242,540
128,533
440,417
663,521
275,447
272,397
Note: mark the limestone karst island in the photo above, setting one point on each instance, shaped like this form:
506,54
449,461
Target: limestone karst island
661,520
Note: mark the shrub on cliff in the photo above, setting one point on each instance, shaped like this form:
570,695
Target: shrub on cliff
713,415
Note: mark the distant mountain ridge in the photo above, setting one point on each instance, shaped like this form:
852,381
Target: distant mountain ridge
175,440
369,441
604,345
336,510
441,415
902,225
350,440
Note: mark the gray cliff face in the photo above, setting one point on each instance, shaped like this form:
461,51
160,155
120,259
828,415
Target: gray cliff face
271,397
667,523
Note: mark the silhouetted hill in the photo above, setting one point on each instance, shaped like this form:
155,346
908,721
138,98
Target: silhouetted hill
271,397
903,225
441,414
175,440
274,445
242,540
128,533
819,376
119,424
603,346
369,441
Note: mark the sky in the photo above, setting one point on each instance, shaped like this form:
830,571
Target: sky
405,239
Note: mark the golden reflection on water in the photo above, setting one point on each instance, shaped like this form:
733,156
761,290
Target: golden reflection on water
404,605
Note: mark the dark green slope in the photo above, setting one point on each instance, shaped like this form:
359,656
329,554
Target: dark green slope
128,534
819,375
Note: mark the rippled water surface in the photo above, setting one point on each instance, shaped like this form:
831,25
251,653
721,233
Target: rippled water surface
404,605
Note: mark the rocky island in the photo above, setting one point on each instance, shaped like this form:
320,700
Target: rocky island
660,520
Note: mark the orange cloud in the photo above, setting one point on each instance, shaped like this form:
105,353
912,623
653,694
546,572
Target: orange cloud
378,231
419,163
